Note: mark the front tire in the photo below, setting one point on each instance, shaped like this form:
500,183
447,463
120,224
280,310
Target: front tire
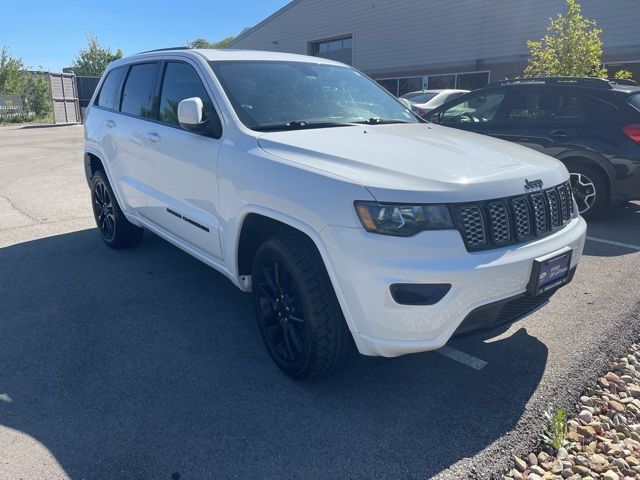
298,313
590,190
115,230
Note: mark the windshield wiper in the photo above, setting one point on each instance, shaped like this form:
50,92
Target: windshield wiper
382,121
299,125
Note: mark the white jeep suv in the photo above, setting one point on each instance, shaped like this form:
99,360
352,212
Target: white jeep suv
347,216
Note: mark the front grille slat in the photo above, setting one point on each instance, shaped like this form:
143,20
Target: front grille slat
473,225
499,218
522,217
554,208
505,221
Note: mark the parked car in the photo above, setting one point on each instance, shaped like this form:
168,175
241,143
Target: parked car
423,101
346,215
591,125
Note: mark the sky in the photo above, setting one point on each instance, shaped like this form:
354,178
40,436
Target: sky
48,34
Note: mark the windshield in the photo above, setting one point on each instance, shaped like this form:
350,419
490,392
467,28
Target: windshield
419,97
271,95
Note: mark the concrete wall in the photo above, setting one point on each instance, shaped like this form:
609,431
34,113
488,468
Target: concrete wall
398,37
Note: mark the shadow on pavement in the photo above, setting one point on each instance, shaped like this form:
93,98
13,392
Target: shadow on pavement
145,363
619,224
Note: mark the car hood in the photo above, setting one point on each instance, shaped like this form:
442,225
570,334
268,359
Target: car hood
417,162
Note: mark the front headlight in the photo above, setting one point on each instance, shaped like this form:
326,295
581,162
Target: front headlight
402,220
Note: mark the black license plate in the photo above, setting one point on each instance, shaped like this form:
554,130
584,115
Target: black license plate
549,273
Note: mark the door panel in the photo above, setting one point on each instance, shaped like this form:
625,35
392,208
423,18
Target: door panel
183,193
124,133
545,121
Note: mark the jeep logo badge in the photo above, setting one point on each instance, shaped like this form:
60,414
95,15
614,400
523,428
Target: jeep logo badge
533,184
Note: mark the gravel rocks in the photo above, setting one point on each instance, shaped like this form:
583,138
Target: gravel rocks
604,436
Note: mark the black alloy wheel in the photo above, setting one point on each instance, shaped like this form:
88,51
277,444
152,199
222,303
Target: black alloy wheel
280,313
300,319
103,210
114,228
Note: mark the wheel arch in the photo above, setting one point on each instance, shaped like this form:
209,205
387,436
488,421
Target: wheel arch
256,227
92,164
592,159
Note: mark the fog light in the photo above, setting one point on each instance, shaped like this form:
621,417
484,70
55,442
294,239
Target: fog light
419,293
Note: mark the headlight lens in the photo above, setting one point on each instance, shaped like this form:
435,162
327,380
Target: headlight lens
402,220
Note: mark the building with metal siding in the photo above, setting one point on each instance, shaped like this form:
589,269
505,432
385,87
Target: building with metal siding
408,44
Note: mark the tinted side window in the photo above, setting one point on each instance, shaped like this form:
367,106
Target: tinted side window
137,95
536,107
181,81
108,96
603,112
479,108
635,100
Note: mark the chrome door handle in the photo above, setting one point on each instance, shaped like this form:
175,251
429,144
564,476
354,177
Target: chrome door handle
109,123
153,137
558,133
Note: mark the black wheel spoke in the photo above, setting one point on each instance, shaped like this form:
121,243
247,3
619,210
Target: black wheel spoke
269,278
287,341
279,311
276,276
295,339
269,292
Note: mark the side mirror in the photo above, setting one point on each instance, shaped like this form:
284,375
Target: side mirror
191,118
190,113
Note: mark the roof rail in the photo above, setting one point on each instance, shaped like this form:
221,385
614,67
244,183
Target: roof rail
624,81
165,49
577,81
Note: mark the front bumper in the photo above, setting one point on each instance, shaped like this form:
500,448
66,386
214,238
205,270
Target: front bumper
365,265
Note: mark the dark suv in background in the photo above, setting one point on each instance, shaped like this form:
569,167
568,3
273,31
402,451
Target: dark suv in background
592,125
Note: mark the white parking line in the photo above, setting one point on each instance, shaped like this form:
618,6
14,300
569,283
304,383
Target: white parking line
617,244
461,357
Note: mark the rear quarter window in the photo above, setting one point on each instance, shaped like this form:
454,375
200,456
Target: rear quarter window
602,112
634,100
108,95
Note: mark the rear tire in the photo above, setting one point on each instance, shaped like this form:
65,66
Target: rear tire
298,314
590,189
115,230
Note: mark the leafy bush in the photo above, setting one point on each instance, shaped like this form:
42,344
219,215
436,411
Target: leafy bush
623,75
555,429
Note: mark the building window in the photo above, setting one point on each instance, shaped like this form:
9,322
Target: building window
402,85
390,84
409,84
338,49
461,81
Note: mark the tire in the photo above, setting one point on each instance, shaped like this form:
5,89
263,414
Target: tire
114,228
298,313
590,190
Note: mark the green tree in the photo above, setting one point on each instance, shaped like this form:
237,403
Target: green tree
36,93
94,59
572,47
11,70
202,43
16,79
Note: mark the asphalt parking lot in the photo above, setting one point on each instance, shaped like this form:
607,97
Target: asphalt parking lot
146,364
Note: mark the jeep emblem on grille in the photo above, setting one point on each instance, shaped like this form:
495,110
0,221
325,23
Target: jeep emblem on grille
533,184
